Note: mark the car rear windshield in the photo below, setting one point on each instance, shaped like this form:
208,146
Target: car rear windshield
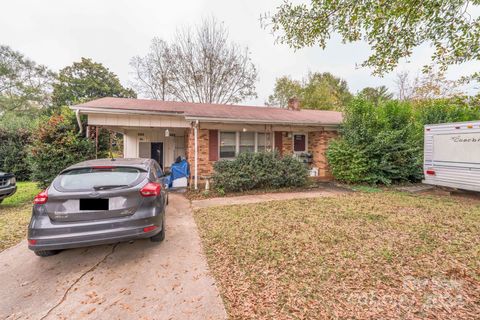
98,178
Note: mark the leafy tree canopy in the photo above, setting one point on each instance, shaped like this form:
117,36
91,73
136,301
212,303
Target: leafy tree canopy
87,80
25,86
284,89
318,90
376,95
392,28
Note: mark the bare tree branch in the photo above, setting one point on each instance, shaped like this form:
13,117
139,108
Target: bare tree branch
199,65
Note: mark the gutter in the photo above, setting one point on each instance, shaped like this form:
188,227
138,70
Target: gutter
282,122
124,111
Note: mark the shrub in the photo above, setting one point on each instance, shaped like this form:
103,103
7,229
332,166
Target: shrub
379,144
14,150
57,145
263,170
383,143
347,162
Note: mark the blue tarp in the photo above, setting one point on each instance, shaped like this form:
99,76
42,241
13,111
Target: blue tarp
179,170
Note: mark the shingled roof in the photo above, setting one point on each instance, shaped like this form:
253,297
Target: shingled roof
213,112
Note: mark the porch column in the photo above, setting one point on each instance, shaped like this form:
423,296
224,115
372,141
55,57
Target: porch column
195,134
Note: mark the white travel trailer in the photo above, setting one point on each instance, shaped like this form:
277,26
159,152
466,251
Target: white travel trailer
452,155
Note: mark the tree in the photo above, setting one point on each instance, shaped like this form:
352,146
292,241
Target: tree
56,145
326,92
87,80
391,28
404,87
317,91
199,65
376,95
285,88
24,84
153,73
431,85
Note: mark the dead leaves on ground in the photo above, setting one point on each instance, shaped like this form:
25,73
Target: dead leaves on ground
384,255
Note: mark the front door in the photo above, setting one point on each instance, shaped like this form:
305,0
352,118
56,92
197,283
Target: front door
156,152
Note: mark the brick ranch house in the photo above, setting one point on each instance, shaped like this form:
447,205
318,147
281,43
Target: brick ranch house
206,133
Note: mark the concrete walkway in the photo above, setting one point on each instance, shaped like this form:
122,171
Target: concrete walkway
256,198
142,280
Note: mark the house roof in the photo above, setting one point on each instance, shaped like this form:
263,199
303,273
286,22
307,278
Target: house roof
213,112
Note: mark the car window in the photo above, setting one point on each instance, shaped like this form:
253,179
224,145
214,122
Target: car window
158,170
92,178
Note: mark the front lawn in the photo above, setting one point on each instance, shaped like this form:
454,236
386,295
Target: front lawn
15,213
362,255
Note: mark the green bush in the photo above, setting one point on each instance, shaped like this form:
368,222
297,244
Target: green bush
262,170
14,150
56,145
378,144
383,143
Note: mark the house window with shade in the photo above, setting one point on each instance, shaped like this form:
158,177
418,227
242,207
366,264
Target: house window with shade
263,142
247,142
228,142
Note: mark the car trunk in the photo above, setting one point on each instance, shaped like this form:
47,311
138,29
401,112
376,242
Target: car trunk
94,205
95,193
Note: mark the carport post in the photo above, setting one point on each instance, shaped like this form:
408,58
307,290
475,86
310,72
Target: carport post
195,134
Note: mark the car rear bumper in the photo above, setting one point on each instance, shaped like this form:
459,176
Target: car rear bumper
70,235
7,192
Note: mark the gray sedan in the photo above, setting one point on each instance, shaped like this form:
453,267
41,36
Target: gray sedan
98,202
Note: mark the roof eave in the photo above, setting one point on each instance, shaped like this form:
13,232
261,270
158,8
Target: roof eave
100,110
259,121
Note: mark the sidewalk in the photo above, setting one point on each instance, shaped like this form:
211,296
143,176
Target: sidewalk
256,198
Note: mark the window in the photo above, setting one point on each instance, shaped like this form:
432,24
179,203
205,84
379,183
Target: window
233,143
263,142
247,142
91,178
228,144
299,144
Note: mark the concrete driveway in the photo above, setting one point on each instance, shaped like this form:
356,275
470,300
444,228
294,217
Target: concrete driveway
140,280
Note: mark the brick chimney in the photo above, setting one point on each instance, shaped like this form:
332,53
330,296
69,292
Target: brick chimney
294,104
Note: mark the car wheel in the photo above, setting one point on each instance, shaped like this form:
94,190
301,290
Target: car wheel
159,237
46,253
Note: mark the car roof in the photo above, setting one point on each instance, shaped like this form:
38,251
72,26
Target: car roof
141,163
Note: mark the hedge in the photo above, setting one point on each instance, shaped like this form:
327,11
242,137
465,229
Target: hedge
262,170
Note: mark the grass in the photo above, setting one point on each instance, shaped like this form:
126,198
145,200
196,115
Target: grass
361,255
26,191
15,213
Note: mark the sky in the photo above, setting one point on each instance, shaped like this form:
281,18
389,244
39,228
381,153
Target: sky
57,32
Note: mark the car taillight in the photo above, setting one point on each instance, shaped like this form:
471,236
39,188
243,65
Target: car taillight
150,228
151,189
32,241
430,172
41,198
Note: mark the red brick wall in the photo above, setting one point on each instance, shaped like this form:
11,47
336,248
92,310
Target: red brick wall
287,144
205,166
317,146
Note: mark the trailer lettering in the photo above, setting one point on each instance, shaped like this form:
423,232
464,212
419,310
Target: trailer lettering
460,139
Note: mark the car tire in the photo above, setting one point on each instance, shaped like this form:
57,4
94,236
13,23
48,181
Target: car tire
159,237
46,253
